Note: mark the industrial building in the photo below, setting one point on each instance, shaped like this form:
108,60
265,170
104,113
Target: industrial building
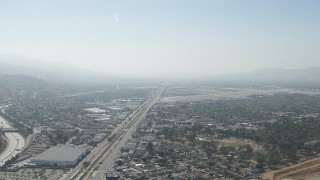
61,156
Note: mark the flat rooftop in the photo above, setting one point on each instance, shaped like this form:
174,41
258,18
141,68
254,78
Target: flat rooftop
61,153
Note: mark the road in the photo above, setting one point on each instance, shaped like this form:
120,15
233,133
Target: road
102,158
303,170
15,143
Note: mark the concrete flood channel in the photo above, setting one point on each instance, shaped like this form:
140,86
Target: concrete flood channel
15,142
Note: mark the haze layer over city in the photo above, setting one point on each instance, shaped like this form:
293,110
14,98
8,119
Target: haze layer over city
159,89
164,37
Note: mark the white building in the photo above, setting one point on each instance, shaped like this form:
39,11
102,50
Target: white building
61,156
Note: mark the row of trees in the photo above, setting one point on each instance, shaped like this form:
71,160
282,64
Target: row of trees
59,136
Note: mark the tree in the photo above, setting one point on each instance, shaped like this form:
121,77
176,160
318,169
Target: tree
86,164
119,163
273,157
145,159
245,151
226,149
261,156
191,137
208,147
150,148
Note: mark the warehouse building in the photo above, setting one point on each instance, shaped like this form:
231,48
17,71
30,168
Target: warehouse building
61,156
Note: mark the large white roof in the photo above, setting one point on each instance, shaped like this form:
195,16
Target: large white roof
61,153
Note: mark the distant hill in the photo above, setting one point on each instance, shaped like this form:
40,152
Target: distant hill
65,73
20,87
51,71
306,77
306,74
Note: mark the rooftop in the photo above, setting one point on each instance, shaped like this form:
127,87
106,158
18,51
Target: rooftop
61,153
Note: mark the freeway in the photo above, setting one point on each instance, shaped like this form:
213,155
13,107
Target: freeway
15,142
102,158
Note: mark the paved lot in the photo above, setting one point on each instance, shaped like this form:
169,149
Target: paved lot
33,173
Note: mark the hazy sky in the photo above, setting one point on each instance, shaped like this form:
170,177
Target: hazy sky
164,36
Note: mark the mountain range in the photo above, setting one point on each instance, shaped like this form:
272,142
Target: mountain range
50,71
67,73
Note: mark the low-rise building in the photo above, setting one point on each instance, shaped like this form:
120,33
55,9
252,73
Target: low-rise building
61,156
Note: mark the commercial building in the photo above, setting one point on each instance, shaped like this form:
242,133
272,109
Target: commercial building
61,156
112,176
